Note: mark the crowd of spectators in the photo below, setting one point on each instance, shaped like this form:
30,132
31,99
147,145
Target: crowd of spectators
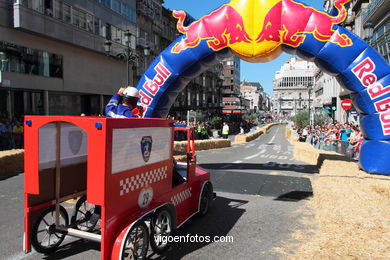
11,134
204,130
345,138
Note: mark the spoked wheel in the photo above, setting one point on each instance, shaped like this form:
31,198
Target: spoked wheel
205,199
161,229
44,237
137,242
82,214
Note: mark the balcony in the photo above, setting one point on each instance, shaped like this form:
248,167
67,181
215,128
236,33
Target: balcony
376,11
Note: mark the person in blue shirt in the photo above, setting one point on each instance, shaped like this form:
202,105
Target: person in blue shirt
121,105
124,104
345,133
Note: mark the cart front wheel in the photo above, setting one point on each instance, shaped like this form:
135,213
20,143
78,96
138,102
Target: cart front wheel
205,199
161,229
136,243
82,214
45,239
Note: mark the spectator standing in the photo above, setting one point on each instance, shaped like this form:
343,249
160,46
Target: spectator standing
8,135
225,130
2,135
18,135
344,135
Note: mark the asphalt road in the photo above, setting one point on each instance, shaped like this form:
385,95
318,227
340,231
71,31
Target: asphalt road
259,189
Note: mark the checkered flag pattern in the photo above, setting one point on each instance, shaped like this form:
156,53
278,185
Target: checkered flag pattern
181,196
143,179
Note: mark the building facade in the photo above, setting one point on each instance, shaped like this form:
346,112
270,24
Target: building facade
232,100
293,87
53,59
68,57
252,91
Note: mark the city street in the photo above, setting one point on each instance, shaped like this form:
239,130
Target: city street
259,189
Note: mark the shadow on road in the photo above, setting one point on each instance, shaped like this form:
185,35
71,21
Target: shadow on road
281,187
273,166
72,249
9,175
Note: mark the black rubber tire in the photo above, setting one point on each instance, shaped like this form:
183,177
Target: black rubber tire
127,250
160,213
205,199
49,228
81,209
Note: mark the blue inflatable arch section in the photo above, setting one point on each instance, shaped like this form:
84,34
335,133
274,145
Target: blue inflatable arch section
358,68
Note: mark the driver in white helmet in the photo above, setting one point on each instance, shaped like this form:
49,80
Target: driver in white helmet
124,104
121,105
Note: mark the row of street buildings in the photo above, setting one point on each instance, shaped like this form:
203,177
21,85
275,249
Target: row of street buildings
69,56
300,85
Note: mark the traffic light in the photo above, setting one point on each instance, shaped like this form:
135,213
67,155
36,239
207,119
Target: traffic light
334,103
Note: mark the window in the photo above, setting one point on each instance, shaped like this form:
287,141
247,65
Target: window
30,61
116,6
90,24
49,7
83,19
66,13
58,9
75,17
36,5
97,26
106,3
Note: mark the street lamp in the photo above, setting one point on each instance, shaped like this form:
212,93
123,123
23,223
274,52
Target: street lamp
128,54
280,106
309,89
368,31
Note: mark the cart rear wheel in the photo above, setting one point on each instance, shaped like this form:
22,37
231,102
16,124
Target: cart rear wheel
81,215
161,229
44,237
137,242
205,199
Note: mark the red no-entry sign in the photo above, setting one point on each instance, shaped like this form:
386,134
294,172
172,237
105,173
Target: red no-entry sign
346,104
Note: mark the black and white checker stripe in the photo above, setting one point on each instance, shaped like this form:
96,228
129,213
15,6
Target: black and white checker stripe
181,196
141,180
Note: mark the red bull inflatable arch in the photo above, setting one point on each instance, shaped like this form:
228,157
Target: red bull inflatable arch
258,31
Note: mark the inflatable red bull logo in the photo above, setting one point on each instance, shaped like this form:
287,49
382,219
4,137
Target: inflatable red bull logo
259,31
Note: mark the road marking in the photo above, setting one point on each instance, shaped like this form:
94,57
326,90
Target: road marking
249,146
255,155
273,137
238,161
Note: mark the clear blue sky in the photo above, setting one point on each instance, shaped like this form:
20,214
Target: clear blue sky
260,72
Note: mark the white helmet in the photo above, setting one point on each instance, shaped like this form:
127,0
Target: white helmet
131,92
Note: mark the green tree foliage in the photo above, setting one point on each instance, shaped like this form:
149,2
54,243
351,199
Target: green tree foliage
301,119
216,122
199,116
251,117
321,119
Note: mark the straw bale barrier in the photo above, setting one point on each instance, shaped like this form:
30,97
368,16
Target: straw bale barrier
252,136
348,216
305,152
11,161
181,146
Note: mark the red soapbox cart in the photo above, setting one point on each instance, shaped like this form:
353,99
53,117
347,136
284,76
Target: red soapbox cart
124,167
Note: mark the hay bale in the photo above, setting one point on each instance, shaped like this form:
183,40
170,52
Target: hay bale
181,146
11,161
351,211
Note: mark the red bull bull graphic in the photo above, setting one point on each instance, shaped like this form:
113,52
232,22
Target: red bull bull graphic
281,24
221,28
258,30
